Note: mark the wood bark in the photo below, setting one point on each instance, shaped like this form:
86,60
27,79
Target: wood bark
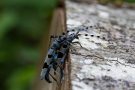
104,57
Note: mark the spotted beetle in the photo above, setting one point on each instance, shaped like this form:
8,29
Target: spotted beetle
56,56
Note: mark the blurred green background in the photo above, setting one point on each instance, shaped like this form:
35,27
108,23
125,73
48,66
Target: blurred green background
117,3
23,23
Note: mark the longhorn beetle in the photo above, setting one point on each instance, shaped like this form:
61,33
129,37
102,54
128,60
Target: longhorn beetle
56,56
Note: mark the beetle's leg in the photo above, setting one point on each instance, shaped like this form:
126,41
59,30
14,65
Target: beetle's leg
54,78
77,43
62,67
61,74
55,65
47,75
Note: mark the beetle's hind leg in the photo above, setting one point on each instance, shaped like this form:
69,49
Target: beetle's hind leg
47,75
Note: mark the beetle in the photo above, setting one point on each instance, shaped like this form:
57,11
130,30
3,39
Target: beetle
56,56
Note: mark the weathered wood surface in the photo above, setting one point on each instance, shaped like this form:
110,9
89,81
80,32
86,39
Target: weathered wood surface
106,60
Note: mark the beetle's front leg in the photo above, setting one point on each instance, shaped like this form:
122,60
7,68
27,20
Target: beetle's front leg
77,43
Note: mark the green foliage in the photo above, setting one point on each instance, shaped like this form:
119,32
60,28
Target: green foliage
21,79
130,1
22,26
115,2
7,20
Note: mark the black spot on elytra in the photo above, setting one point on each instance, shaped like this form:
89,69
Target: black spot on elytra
58,48
64,46
86,27
45,65
64,38
60,55
49,56
73,29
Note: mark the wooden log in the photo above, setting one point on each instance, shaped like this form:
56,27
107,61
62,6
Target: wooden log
106,58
